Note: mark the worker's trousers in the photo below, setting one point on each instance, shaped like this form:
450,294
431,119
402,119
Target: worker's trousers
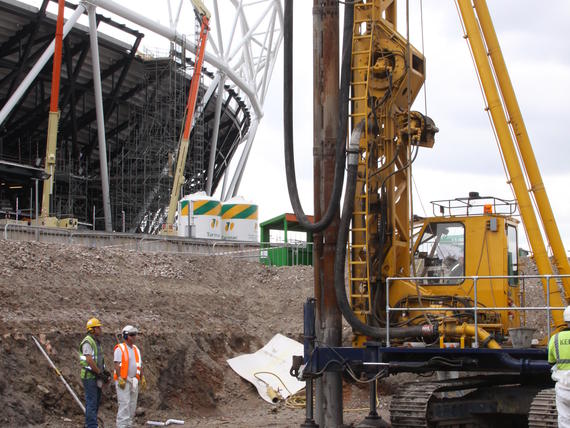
92,400
563,404
562,379
127,399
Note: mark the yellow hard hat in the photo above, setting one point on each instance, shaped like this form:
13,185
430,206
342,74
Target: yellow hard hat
92,323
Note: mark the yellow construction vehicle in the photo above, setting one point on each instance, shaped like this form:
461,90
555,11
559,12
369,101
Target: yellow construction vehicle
436,294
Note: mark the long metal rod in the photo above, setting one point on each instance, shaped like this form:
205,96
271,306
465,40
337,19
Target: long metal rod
508,149
172,35
475,303
537,276
479,308
523,142
238,174
38,66
37,199
97,89
58,373
219,28
214,142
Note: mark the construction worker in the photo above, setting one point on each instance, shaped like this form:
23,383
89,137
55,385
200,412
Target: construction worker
93,373
128,376
559,354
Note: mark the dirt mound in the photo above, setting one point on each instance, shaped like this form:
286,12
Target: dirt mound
194,312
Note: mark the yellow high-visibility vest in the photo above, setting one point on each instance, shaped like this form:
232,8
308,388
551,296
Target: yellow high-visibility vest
559,350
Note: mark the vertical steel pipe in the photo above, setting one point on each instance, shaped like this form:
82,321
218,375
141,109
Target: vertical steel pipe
238,174
37,198
325,111
98,92
214,142
308,346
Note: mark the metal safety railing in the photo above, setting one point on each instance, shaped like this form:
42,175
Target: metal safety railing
286,253
271,254
475,308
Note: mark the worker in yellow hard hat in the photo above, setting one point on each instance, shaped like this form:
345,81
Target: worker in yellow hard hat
559,355
93,372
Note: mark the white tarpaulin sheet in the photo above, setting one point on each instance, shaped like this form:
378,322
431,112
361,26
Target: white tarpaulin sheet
270,364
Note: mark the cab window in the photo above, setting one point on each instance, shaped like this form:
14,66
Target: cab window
441,253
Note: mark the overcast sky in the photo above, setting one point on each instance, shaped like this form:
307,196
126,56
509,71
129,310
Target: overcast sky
534,40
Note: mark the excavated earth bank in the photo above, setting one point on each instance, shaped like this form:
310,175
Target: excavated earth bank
194,312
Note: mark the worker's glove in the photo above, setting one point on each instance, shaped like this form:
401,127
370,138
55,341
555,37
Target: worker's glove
122,383
106,376
143,383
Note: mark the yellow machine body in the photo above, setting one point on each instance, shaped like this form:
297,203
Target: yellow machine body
448,248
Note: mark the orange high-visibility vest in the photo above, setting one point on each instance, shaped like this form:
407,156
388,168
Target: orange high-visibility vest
125,361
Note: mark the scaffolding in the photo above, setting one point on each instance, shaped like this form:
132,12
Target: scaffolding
146,165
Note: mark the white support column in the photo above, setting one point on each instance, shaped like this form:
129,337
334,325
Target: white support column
100,117
38,66
214,142
225,182
236,180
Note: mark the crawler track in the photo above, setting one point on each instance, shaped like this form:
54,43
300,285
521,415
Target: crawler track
543,410
409,405
414,404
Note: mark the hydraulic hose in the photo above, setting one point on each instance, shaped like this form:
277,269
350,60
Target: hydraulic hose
342,124
525,366
340,254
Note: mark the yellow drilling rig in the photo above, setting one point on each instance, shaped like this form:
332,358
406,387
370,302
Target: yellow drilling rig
440,294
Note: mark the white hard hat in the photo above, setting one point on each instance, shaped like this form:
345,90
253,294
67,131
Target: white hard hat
129,329
567,314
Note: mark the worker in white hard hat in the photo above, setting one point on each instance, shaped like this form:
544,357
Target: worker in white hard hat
93,372
559,355
128,376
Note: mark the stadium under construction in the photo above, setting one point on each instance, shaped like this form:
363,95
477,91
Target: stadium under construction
144,97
